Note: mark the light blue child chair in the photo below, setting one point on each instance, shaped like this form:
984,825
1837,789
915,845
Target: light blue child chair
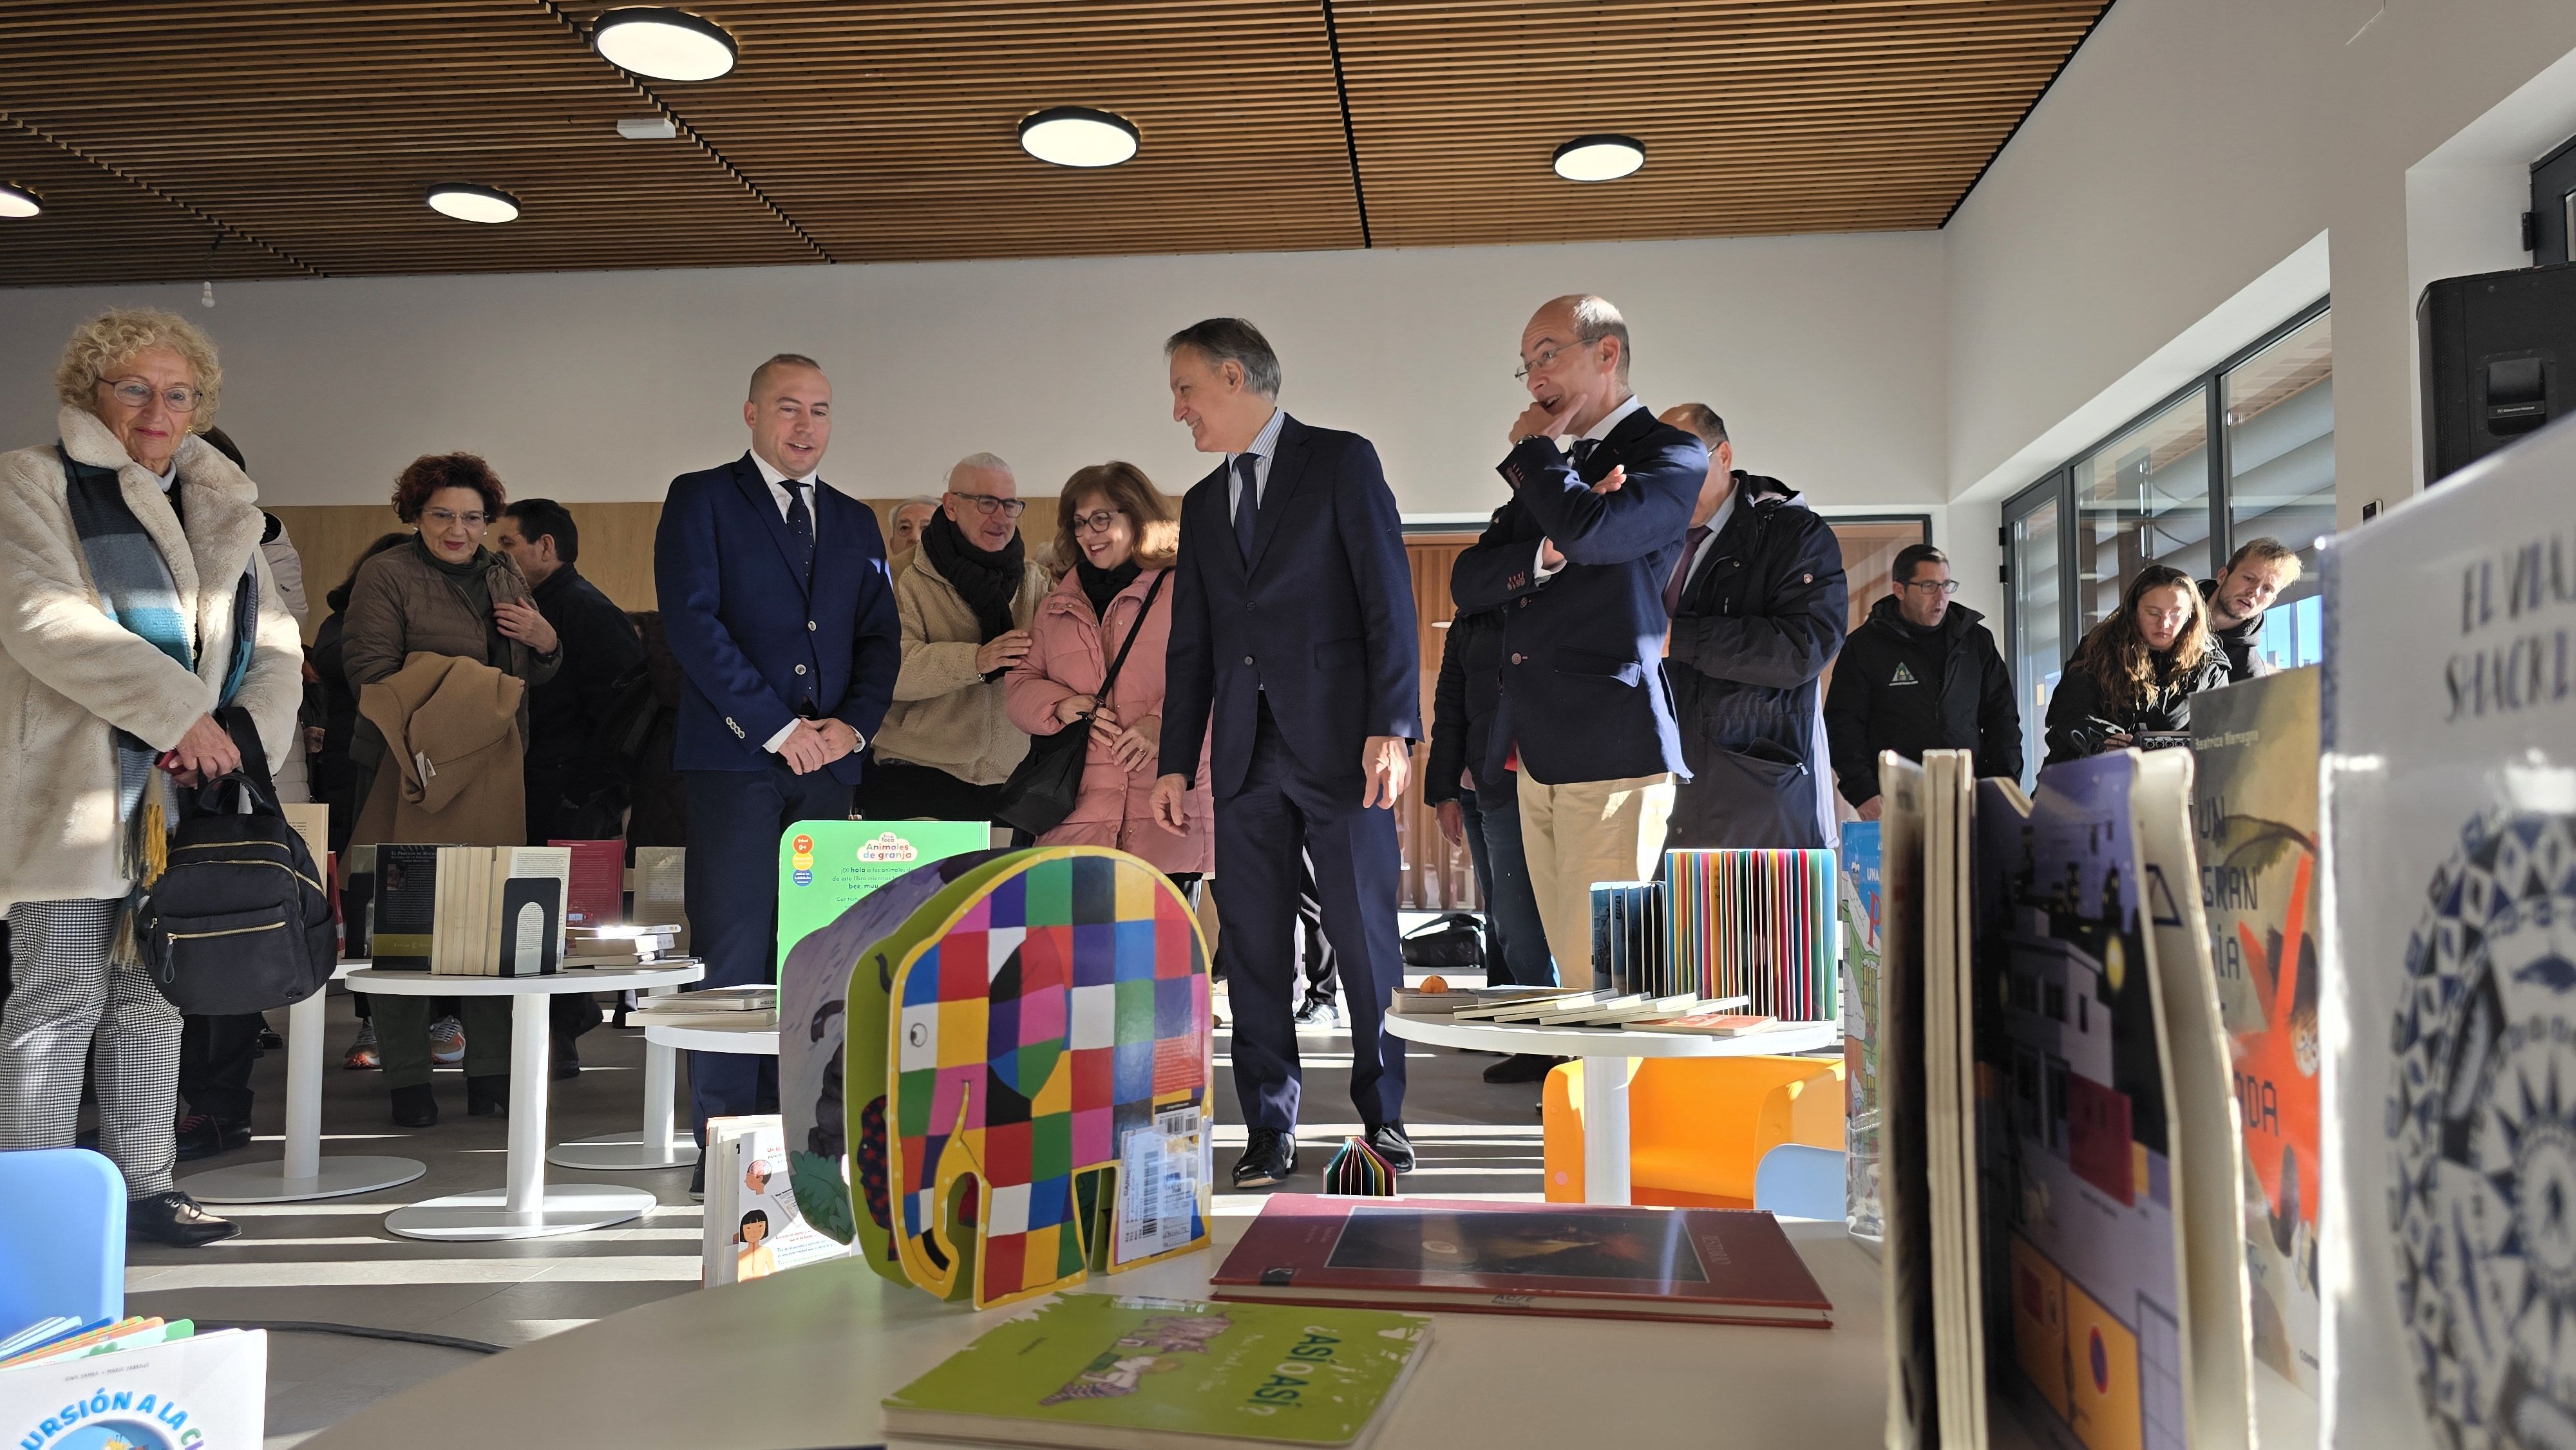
1797,1181
62,1237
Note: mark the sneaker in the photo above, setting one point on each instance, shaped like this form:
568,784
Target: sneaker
363,1056
1320,1012
447,1040
202,1136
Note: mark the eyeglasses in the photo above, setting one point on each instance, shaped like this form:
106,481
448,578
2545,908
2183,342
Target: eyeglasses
1945,586
1097,523
136,393
986,504
442,518
1546,359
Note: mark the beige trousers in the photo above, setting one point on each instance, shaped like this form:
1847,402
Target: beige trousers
1574,835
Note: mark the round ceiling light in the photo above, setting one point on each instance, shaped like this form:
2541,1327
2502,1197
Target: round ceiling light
19,201
470,203
1078,136
664,43
1599,158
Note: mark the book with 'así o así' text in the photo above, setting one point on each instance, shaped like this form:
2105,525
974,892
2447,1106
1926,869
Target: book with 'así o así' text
1572,1260
1103,1372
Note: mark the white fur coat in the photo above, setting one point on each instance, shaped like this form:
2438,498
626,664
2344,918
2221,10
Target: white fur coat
68,672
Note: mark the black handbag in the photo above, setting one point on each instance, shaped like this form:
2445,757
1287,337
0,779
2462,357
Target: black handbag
1047,781
240,920
1454,941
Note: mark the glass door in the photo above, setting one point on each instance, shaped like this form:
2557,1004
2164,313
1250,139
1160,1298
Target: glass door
2035,587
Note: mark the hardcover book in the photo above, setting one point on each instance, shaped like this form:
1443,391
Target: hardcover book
1596,1261
596,894
751,1228
1093,1370
523,910
2449,1280
406,904
1861,906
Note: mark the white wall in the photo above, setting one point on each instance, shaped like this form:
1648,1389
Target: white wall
2204,168
1824,353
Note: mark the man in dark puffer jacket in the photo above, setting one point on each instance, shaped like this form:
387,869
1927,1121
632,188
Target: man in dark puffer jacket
1921,673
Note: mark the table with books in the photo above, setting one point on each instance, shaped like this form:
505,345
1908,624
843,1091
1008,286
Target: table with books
304,1173
525,1205
806,1358
1607,1052
662,1141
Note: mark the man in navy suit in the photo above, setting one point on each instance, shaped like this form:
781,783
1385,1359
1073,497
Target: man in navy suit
1577,562
776,602
1292,626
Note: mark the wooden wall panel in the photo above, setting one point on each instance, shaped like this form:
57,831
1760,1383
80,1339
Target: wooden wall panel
1437,876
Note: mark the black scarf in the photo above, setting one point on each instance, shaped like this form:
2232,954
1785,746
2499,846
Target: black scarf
1103,585
988,580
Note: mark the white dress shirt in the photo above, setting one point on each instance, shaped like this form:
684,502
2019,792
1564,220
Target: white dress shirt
777,482
1264,448
1595,433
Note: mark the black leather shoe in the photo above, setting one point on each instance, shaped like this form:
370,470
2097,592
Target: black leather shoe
1391,1144
488,1096
1319,1012
174,1218
1268,1158
201,1135
567,1059
698,1180
1522,1067
414,1107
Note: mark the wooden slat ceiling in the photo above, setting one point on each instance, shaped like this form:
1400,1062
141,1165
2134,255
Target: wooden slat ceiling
176,139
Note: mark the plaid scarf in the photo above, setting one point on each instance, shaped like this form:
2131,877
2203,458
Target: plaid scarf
137,590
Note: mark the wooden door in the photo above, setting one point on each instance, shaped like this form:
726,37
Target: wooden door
1437,875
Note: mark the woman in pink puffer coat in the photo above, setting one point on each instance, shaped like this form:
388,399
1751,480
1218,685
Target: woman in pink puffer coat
1115,537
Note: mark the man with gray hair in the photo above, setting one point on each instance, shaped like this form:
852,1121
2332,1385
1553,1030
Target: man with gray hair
1293,641
910,517
964,594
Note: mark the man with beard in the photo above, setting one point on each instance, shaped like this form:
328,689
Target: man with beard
2255,576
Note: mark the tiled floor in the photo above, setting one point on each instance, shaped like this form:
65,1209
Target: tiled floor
333,1262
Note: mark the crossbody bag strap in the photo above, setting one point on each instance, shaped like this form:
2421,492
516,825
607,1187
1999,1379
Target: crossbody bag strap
1133,630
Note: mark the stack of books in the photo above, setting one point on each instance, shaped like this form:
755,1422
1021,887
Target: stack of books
625,945
1755,923
1605,1007
748,1008
1427,1001
598,892
497,911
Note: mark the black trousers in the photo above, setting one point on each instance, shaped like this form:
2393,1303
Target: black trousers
898,790
735,819
215,1054
1261,831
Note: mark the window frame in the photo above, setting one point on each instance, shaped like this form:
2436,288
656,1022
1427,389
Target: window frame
2059,484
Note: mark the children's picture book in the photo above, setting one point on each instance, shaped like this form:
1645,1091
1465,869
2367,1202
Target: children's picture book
1754,923
825,866
1905,1205
752,1227
1708,1265
1099,1372
2255,826
148,1386
2449,1023
1859,903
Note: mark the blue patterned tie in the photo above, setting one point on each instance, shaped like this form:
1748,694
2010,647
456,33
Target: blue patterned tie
800,522
1247,509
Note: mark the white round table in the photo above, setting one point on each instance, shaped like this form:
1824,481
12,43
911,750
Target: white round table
663,1141
303,1173
525,1206
1606,1052
750,1040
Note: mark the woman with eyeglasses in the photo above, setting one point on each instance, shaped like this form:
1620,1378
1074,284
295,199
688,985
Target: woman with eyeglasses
964,595
1114,545
2133,677
139,605
443,593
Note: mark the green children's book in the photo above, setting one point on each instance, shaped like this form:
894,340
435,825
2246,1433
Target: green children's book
1096,1370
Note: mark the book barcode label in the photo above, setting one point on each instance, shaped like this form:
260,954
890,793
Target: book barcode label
1160,1168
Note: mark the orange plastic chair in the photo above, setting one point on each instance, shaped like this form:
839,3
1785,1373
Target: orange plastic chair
1697,1126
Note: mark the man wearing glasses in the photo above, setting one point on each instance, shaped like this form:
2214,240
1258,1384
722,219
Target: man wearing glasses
1758,613
1920,674
965,594
776,604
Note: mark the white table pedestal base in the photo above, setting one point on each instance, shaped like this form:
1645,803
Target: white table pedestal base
485,1214
624,1153
338,1177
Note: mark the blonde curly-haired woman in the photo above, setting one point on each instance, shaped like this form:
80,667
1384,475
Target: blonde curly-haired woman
136,604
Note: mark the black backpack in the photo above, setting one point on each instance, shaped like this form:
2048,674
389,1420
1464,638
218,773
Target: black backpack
239,921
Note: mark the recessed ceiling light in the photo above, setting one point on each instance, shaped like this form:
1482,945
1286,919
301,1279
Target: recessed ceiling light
664,43
647,128
18,201
470,203
1599,158
1078,136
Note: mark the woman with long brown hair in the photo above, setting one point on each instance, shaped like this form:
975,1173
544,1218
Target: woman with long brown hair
2133,677
1115,542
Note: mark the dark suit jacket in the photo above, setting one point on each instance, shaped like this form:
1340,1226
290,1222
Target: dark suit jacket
1463,704
759,643
1584,695
1321,619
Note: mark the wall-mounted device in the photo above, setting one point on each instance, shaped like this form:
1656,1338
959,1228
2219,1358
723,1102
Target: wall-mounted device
2496,352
